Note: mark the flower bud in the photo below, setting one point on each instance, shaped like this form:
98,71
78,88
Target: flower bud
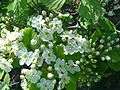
102,41
22,76
50,75
49,68
102,58
107,58
33,66
51,15
97,53
101,46
110,48
77,62
47,19
89,56
44,13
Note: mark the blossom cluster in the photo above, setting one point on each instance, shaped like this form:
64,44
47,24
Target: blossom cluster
49,68
49,65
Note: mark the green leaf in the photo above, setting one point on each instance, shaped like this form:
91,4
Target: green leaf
54,4
59,52
51,4
19,11
7,79
101,67
73,82
15,63
96,35
84,12
12,6
33,86
106,26
17,5
27,36
90,11
115,57
1,74
4,87
115,66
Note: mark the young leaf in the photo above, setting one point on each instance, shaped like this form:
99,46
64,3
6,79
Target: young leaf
27,37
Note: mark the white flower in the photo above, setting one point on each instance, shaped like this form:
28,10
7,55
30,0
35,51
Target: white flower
45,84
37,22
2,42
50,75
33,75
5,65
48,56
11,36
46,34
97,53
55,22
24,84
60,67
27,57
72,67
77,62
4,31
111,13
33,42
75,43
15,28
64,80
33,66
24,71
15,47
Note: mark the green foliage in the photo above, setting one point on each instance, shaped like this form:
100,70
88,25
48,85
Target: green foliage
106,26
50,4
73,82
115,63
19,11
54,4
27,37
90,11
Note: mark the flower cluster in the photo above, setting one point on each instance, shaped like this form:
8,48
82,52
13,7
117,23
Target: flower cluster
75,43
50,67
46,26
7,42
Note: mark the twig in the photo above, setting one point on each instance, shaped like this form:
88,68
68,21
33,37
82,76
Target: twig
15,83
118,23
